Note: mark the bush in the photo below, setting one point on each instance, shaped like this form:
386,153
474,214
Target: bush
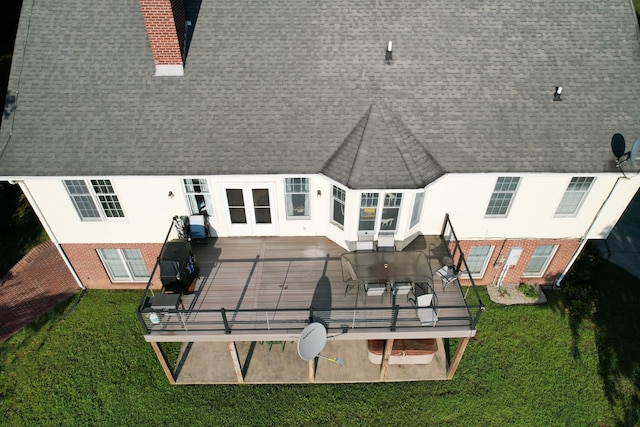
529,291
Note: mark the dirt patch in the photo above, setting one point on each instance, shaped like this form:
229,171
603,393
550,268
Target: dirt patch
510,295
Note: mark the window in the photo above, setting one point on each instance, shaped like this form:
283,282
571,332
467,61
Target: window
574,195
86,199
297,197
124,265
198,196
390,211
417,209
502,196
368,208
478,259
337,203
539,260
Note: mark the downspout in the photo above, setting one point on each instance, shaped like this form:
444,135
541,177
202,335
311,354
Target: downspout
583,239
48,229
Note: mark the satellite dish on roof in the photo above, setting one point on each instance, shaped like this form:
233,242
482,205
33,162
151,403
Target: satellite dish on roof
618,145
312,340
635,150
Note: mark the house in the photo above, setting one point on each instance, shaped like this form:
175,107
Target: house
326,123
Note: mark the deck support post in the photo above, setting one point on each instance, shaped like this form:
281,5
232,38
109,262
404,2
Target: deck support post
236,361
163,362
456,359
388,347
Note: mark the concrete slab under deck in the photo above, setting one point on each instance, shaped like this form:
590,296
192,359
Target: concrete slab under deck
211,363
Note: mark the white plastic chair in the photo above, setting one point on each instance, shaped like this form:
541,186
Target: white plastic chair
426,310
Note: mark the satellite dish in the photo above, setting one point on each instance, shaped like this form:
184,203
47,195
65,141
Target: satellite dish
635,150
312,341
618,145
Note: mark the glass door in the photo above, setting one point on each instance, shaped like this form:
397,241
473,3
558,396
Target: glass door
251,212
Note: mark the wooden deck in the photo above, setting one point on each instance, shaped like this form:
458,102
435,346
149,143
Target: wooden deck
267,284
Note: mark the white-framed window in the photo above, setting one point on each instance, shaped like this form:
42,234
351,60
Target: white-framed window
198,196
338,197
416,213
574,195
478,259
124,265
540,260
502,196
390,211
87,196
297,197
368,210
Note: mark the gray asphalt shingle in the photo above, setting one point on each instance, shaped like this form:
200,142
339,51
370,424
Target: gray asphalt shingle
280,87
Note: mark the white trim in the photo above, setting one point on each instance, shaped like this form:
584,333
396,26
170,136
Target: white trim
513,196
484,264
543,270
126,266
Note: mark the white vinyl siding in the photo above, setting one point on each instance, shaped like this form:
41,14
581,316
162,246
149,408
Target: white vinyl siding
502,196
574,196
124,265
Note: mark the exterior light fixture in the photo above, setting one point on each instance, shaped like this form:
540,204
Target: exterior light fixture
170,195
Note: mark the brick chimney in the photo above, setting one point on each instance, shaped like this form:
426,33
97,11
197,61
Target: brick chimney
165,22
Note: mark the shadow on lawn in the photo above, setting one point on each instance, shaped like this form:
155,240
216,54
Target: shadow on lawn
601,292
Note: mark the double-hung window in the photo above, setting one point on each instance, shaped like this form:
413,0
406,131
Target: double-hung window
95,199
297,197
124,265
390,211
337,206
574,195
199,197
478,259
368,209
539,260
502,196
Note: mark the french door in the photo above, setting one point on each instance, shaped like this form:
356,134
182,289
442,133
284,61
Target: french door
250,209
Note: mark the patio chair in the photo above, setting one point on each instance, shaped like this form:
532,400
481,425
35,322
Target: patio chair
386,242
426,308
365,242
375,289
402,288
447,273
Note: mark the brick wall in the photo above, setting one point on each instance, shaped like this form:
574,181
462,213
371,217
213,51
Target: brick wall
566,249
91,271
165,22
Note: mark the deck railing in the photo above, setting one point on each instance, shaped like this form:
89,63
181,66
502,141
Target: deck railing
337,320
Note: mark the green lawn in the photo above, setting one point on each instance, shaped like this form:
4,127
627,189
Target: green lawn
550,365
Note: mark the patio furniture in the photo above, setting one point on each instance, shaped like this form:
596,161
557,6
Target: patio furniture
425,307
375,289
404,352
165,305
386,242
399,266
402,288
365,242
447,273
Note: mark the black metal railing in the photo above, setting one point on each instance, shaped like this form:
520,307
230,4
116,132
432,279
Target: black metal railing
448,235
337,320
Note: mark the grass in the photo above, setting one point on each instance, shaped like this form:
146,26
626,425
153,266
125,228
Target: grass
571,362
19,227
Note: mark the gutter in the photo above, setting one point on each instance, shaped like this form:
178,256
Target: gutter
583,239
48,229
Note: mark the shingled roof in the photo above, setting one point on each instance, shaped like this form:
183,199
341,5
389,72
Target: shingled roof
295,87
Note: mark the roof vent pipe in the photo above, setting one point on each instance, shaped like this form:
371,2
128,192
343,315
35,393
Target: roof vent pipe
557,95
388,56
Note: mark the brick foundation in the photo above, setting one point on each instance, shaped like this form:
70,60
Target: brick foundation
87,263
562,256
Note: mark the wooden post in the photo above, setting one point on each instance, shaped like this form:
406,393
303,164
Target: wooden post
456,359
163,362
388,347
312,371
236,361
